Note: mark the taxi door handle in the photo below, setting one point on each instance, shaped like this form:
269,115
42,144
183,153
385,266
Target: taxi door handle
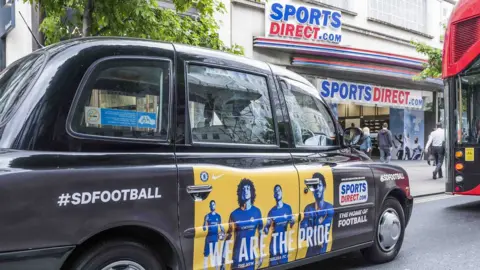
199,193
312,183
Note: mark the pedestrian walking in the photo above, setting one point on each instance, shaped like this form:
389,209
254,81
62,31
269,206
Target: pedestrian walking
366,145
437,142
385,144
428,151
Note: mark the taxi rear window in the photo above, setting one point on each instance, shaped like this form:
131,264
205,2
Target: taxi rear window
15,81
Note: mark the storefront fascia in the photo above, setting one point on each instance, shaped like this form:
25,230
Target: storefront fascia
404,110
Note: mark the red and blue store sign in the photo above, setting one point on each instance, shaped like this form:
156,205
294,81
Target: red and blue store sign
370,94
290,20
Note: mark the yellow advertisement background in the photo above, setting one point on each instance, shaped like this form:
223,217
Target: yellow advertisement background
224,193
306,172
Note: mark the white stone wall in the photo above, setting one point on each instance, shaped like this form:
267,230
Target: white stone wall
19,40
247,19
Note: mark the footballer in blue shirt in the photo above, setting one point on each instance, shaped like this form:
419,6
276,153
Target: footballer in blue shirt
279,217
245,221
212,221
317,220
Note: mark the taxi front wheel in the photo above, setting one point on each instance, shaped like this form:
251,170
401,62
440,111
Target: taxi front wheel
119,254
389,233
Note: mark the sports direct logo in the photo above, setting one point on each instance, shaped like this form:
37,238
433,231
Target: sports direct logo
106,196
353,192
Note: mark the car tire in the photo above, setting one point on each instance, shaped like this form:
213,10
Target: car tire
116,253
392,217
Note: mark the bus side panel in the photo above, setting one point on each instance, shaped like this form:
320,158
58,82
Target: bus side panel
470,172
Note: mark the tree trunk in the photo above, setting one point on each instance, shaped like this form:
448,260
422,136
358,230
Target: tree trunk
87,18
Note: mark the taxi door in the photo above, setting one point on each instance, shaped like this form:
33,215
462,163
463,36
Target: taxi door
238,186
329,218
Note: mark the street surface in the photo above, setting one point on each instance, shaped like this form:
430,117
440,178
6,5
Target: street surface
420,175
443,233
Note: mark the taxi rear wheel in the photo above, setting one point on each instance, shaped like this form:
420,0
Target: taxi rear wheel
119,254
389,233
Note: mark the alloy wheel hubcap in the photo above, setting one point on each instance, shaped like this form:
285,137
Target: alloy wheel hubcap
124,265
389,230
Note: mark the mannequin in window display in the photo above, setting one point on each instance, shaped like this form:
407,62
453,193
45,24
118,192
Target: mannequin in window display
400,148
407,147
416,150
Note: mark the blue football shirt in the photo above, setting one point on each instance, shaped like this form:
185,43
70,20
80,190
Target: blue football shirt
246,223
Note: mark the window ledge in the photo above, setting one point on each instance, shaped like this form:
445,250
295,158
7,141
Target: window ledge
250,3
344,11
400,27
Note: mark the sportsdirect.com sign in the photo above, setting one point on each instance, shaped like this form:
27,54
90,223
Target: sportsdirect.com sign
370,94
290,20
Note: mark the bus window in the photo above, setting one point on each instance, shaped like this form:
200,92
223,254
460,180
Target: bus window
468,111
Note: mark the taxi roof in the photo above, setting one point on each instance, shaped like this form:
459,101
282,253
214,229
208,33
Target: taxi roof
180,48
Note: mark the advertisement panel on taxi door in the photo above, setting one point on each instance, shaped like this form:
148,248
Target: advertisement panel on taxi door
251,220
317,212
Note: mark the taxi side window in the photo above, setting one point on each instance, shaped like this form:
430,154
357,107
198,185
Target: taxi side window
124,98
311,123
227,106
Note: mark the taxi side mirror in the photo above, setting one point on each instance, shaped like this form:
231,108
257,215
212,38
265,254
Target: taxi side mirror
352,136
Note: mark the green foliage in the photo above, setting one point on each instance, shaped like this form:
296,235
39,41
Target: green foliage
135,18
433,67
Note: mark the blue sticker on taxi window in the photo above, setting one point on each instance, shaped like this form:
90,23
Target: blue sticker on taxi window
121,118
146,120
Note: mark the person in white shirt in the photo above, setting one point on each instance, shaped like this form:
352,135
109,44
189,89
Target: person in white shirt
436,140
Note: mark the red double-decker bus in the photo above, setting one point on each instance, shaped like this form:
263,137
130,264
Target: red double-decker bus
461,74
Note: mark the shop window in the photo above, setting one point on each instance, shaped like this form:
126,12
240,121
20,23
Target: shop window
440,107
125,98
353,110
383,110
342,110
227,106
427,101
368,111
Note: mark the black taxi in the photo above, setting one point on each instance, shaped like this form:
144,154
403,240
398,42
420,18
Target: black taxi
120,153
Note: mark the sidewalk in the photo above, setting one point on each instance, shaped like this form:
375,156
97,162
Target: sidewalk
420,175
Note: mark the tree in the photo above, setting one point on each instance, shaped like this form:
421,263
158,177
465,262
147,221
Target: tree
66,19
433,67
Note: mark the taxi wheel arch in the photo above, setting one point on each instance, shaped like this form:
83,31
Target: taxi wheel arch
374,253
400,196
135,234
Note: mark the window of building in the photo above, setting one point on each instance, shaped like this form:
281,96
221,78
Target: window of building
125,98
312,124
410,14
343,4
228,106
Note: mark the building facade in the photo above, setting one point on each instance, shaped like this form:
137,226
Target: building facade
358,53
16,17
